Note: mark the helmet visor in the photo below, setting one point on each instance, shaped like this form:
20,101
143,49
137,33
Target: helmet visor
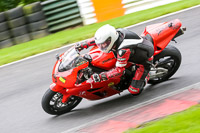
104,45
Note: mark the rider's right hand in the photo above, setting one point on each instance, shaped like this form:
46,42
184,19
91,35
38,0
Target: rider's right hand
99,77
96,77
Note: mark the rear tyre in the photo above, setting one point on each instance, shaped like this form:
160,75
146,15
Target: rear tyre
170,59
52,103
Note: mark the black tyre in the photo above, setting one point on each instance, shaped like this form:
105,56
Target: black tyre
32,8
17,22
21,39
39,34
4,35
52,103
40,25
19,31
3,26
6,43
38,16
2,17
170,59
14,13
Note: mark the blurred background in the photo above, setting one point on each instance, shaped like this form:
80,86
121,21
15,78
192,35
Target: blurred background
30,27
25,20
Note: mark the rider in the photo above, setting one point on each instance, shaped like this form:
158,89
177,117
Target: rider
127,47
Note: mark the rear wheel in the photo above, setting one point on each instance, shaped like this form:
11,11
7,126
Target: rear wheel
52,103
170,60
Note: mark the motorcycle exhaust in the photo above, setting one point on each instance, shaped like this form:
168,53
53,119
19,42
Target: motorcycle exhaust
157,73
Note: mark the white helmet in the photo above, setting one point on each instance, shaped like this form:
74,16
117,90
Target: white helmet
105,37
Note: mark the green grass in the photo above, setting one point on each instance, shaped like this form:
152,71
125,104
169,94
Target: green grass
65,37
187,121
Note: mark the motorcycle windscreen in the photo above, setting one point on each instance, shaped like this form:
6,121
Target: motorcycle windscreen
71,59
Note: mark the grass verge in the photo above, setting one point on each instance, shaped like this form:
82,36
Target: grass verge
187,121
65,37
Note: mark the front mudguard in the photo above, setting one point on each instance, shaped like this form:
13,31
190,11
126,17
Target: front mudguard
57,88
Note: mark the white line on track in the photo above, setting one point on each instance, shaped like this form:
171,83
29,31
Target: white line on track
73,130
27,58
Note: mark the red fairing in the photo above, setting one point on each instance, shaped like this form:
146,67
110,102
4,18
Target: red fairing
69,76
162,33
102,60
105,88
55,87
65,82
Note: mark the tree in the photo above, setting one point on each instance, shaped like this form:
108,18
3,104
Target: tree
8,4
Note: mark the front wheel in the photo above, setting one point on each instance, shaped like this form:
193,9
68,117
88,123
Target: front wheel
52,103
170,60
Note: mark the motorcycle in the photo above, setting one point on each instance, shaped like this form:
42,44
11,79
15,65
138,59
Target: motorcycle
72,71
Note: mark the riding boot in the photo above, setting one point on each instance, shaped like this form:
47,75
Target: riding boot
139,80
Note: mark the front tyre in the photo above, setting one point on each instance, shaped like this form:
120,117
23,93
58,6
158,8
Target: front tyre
169,59
52,103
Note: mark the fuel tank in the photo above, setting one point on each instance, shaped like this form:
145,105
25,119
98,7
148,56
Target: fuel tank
102,60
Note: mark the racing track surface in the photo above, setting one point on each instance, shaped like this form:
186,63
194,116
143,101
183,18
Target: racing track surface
23,84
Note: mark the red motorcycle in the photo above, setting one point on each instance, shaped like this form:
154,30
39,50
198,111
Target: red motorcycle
72,71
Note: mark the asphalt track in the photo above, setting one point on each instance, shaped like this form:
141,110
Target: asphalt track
24,83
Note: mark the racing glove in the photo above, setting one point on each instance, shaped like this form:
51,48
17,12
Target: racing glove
99,77
79,47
